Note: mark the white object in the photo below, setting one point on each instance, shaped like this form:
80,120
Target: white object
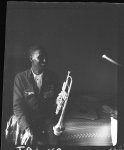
114,130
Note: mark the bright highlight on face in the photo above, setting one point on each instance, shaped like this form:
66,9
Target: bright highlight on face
39,57
35,55
39,61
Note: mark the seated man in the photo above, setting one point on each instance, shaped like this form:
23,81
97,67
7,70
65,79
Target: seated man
34,102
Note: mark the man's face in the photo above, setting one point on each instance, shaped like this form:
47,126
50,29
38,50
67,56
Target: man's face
38,61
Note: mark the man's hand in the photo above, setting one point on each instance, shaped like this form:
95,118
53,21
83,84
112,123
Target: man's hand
26,137
62,97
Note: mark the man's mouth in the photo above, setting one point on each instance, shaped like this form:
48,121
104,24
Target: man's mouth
42,65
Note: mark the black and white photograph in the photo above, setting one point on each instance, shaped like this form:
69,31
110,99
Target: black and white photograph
62,69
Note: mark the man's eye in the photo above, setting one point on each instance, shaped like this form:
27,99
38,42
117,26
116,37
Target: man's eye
42,59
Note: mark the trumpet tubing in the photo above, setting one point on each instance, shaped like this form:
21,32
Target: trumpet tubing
59,126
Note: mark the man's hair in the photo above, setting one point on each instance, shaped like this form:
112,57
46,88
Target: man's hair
34,48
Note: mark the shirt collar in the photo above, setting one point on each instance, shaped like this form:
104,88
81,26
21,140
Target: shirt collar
39,76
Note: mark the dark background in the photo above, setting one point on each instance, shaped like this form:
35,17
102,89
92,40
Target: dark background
75,35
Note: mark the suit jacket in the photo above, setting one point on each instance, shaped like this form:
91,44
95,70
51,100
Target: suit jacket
31,105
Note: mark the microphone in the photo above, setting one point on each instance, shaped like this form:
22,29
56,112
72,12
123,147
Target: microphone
110,60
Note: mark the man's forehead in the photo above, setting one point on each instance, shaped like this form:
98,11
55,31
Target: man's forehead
35,54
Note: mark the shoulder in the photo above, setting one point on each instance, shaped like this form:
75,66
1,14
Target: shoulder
22,74
51,74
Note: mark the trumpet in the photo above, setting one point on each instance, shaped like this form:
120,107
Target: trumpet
62,98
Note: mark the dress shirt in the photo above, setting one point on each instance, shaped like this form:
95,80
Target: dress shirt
38,79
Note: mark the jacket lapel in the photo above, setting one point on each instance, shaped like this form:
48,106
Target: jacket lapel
44,81
32,81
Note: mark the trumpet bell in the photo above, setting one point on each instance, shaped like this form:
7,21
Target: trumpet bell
58,130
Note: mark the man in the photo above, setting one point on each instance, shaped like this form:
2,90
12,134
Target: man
34,101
